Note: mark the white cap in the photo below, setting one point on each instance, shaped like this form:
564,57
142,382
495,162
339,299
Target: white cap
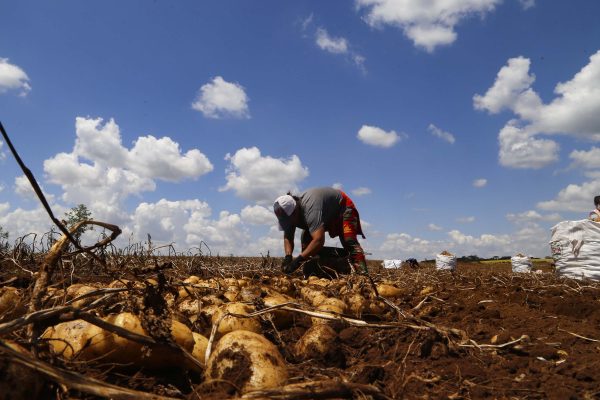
284,207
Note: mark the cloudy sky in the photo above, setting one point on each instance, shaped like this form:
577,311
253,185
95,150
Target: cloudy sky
471,126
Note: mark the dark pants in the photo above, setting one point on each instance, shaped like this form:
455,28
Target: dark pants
348,239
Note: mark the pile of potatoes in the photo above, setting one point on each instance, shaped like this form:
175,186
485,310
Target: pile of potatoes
240,352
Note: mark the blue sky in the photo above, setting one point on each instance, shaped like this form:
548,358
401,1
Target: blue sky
464,125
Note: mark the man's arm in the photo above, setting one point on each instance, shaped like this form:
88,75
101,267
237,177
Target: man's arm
288,242
316,244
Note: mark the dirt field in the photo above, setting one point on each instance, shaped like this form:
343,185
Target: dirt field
479,332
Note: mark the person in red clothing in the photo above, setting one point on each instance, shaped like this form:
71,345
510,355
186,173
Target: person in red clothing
317,211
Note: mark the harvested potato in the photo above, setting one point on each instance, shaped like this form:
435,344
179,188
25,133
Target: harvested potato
329,305
230,323
317,342
11,305
357,304
199,350
248,360
386,290
86,341
281,318
77,338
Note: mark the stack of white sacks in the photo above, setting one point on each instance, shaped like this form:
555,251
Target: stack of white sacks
445,261
575,247
521,263
392,263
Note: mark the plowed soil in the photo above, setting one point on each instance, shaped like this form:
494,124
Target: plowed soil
475,333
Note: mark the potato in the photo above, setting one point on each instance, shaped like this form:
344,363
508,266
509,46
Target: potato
356,304
320,282
194,285
11,305
77,290
229,282
248,360
329,305
318,342
230,323
190,307
386,290
376,307
86,341
77,338
249,293
281,318
199,350
312,296
125,351
232,293
162,356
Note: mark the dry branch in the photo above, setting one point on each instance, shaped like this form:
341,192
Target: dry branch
326,389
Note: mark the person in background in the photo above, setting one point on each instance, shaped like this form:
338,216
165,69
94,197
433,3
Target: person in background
595,214
317,211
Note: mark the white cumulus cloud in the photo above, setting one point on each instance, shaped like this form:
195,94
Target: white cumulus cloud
434,227
437,132
512,81
258,215
23,188
165,220
586,159
338,45
466,220
527,4
375,136
428,24
219,99
101,173
13,77
331,44
519,149
162,159
337,185
254,177
573,112
479,183
576,198
361,191
532,216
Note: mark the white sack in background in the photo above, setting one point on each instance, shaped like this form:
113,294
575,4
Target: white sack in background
575,247
447,262
520,263
392,263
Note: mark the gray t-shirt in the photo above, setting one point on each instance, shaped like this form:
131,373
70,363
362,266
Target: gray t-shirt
320,206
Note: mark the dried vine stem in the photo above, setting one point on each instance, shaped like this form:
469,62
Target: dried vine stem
325,389
76,381
49,264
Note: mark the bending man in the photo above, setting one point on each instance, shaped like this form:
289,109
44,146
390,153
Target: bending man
317,211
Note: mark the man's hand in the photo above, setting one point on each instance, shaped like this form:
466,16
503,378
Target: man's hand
294,265
286,261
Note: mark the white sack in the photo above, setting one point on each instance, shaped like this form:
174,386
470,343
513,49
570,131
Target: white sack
392,263
575,247
445,262
521,263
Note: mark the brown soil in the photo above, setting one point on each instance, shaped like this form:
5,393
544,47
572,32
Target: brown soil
553,324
